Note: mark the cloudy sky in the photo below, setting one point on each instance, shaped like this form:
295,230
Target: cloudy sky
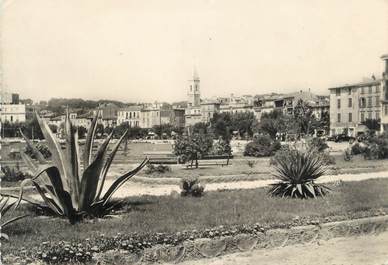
144,50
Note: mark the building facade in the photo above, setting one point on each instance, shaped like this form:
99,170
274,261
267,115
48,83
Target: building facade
351,105
131,115
11,110
384,95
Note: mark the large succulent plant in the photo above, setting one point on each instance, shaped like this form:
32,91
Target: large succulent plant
5,207
65,188
297,172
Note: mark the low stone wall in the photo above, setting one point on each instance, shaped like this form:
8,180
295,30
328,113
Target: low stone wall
207,248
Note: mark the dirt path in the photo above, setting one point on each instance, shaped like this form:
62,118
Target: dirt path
363,250
136,189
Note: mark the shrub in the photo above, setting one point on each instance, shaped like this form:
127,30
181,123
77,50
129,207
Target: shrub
261,146
191,186
251,163
160,169
12,174
378,146
42,148
318,143
64,190
357,149
297,174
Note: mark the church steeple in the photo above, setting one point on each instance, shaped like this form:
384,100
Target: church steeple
194,92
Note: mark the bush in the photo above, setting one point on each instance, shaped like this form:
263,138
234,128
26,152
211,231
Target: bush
191,186
262,146
378,146
251,163
357,149
318,143
160,169
297,173
43,149
12,174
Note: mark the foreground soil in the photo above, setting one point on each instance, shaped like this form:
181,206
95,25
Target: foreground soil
362,250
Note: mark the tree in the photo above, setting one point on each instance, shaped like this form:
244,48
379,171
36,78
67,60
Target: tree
81,132
53,128
163,129
372,124
273,122
220,124
200,127
99,130
243,123
192,148
304,116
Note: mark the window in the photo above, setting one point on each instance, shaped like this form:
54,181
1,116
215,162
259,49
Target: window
338,91
377,101
377,88
349,91
349,102
377,115
362,116
338,103
350,117
386,110
370,90
369,102
362,103
339,117
363,90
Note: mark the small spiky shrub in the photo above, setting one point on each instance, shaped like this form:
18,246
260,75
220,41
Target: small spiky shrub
159,169
191,187
5,207
66,190
297,173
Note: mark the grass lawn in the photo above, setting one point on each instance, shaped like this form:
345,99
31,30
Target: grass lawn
170,214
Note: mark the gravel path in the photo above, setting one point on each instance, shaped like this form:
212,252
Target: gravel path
363,250
136,189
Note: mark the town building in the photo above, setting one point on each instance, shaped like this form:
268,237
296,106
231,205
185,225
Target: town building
208,109
11,109
384,95
352,104
131,115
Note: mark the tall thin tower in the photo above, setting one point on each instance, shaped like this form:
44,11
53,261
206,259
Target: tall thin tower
194,92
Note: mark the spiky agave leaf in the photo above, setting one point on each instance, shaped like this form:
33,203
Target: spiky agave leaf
91,175
73,162
87,155
58,157
4,208
39,156
121,180
106,167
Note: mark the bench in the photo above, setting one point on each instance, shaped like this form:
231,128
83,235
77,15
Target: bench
210,160
161,157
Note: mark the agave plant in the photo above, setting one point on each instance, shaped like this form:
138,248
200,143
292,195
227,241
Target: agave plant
65,188
5,206
297,173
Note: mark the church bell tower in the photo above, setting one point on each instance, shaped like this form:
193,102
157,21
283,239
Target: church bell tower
194,93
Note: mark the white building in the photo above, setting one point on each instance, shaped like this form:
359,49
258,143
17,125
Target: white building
131,115
12,113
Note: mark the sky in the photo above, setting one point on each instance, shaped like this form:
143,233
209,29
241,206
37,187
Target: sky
145,50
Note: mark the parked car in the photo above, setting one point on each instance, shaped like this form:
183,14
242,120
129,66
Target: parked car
343,138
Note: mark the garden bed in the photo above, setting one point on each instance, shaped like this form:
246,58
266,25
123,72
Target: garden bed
171,220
